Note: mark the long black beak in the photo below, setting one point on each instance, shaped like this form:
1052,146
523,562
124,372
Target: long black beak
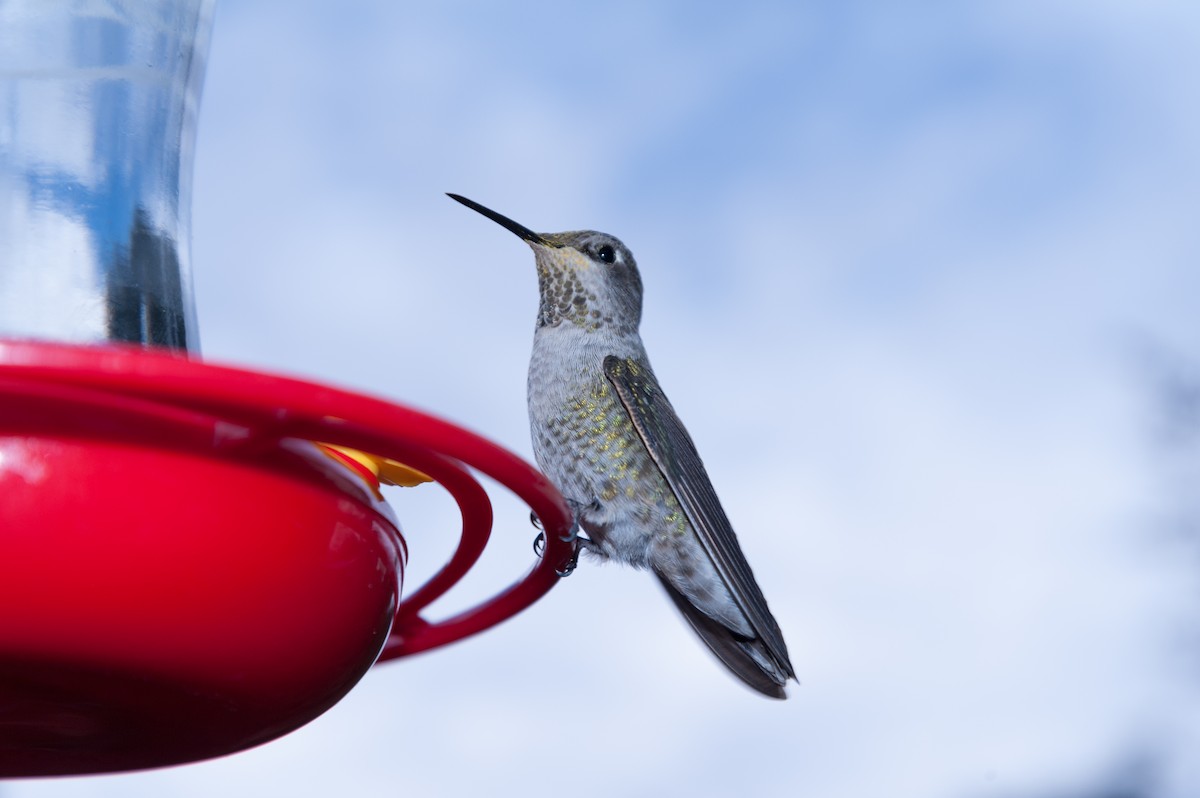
522,231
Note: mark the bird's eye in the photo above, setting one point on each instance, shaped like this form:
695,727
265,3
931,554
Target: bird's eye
606,253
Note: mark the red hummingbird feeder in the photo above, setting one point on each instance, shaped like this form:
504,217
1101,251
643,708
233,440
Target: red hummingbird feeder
194,559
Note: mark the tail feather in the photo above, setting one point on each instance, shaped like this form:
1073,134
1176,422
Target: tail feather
746,658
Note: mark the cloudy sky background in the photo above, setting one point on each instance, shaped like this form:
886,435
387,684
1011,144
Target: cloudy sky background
918,277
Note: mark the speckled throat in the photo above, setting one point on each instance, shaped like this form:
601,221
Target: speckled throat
564,299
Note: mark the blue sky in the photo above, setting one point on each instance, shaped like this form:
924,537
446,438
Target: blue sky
900,261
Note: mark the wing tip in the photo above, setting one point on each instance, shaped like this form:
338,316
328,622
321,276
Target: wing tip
749,660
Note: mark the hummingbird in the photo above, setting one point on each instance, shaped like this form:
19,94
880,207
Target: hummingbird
605,434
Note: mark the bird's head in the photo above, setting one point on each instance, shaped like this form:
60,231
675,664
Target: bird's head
585,278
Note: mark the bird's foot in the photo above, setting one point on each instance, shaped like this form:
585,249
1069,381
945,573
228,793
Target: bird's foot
581,543
573,536
572,563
